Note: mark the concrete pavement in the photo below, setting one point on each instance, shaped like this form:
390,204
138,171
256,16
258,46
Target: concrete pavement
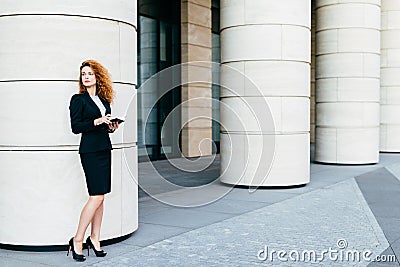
345,212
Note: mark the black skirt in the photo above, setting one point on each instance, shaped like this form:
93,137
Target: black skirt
97,168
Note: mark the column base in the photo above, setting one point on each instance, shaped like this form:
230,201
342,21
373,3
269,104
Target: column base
49,248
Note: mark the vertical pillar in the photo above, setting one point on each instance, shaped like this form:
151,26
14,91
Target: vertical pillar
312,73
42,182
196,134
390,76
268,42
347,82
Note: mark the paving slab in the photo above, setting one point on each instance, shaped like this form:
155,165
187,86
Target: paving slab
59,258
184,217
386,259
396,249
381,189
337,212
149,206
232,230
231,207
148,234
11,262
260,195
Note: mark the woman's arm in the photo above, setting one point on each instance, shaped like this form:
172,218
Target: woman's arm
78,124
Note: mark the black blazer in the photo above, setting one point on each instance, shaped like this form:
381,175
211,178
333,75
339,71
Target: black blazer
83,111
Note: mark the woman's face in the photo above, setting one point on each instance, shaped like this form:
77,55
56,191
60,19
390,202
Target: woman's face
88,77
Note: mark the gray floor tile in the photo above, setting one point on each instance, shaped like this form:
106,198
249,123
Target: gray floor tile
396,249
195,196
11,262
333,175
383,210
160,223
314,168
391,228
381,190
148,234
59,258
297,223
151,172
231,206
46,258
385,259
388,158
150,206
181,217
383,264
384,197
260,195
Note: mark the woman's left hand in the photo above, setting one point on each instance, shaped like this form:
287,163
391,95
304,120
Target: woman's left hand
113,126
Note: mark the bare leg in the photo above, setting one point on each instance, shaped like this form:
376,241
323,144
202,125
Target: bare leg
87,214
96,226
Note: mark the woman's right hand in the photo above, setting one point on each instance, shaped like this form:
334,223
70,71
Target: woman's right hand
104,119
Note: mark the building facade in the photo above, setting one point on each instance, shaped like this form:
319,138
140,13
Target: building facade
290,73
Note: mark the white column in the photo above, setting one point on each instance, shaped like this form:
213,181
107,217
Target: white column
268,41
347,81
43,187
390,76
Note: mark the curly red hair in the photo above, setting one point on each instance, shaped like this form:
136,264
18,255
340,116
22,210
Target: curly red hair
103,80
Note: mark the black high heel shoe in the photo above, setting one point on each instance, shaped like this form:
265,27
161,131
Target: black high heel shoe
75,256
99,253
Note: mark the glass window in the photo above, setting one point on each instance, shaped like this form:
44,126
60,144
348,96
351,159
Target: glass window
158,48
216,57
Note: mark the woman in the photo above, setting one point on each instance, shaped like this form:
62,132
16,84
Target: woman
90,114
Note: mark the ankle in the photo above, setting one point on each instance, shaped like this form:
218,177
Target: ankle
78,239
94,238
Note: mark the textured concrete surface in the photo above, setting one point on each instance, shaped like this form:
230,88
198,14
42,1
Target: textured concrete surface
350,204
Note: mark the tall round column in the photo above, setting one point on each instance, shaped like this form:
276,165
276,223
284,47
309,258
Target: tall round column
268,42
347,82
390,76
43,187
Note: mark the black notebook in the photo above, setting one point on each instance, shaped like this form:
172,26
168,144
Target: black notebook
117,119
